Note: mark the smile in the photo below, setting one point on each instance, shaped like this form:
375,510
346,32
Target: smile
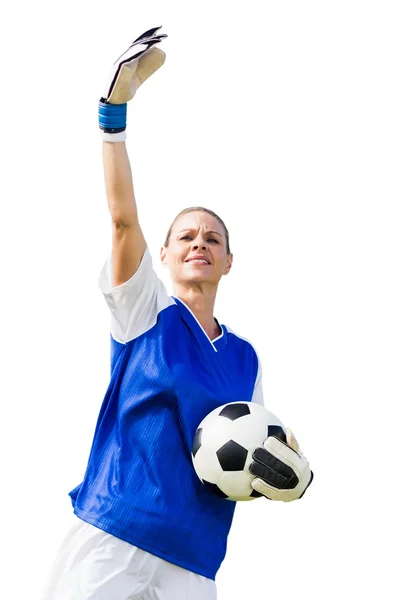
198,261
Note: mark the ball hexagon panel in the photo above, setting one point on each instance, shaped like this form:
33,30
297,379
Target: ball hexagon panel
234,485
207,465
248,431
216,433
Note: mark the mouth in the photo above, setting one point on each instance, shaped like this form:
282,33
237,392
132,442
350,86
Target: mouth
198,261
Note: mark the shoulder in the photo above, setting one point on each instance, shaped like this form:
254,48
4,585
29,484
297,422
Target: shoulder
241,344
135,304
238,338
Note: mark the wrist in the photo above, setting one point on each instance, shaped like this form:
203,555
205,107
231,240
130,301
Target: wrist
112,121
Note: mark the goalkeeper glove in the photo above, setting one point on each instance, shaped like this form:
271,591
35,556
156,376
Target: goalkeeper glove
281,471
129,71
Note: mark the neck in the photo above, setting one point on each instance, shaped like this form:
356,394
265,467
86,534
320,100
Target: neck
202,306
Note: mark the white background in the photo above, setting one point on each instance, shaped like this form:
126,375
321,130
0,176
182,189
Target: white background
283,117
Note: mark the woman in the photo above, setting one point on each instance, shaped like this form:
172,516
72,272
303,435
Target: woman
148,529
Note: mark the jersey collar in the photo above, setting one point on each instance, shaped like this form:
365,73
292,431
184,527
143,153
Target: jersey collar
187,315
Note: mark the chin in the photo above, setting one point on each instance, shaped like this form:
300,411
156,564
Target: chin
195,278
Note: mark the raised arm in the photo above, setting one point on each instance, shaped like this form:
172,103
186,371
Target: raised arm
128,243
131,69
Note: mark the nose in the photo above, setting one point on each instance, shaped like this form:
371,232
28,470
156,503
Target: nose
199,243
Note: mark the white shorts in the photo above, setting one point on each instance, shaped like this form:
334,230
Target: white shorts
94,565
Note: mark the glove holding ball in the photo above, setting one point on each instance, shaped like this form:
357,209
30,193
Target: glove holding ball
281,470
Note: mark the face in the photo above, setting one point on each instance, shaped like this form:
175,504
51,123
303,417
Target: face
196,252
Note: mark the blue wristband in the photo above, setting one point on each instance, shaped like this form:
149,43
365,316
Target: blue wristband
112,117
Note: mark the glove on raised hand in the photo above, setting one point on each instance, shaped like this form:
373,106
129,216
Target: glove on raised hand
128,73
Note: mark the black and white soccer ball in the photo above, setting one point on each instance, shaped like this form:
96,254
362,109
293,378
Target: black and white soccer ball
224,443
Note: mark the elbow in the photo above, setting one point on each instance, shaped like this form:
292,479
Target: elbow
121,222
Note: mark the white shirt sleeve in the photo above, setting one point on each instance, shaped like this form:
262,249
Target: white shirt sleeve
258,396
135,304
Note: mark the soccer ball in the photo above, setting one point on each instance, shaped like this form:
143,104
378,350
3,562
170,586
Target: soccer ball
224,443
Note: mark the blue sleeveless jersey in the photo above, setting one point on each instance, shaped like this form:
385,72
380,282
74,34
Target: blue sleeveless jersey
166,376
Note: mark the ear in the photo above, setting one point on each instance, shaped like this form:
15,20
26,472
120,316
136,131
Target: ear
229,261
163,254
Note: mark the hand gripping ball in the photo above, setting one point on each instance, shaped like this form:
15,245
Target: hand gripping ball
224,443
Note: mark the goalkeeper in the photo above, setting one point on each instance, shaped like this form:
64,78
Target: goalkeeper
146,528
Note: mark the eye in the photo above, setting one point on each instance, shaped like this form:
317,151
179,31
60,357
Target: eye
213,240
186,237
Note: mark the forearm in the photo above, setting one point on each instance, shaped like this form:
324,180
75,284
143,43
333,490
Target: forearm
119,184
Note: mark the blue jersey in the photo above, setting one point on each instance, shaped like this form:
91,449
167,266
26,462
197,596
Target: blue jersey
166,376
